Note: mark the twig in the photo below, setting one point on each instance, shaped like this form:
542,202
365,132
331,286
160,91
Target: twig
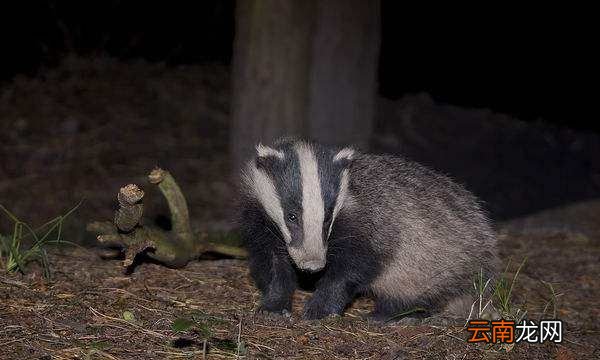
239,338
123,321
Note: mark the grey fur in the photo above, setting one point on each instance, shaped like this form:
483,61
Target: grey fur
409,235
431,232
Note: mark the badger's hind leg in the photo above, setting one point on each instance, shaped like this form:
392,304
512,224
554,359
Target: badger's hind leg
456,311
396,310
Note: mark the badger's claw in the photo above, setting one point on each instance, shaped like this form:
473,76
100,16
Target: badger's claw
314,309
310,313
273,313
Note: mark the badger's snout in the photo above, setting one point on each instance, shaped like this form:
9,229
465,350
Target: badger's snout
312,265
311,260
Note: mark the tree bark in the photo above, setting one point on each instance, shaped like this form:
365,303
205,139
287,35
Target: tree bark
343,76
270,72
304,68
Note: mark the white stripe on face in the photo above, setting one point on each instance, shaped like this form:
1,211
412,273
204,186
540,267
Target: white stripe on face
339,202
264,191
313,208
345,153
264,151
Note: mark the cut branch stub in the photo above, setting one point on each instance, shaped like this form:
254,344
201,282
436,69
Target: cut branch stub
130,209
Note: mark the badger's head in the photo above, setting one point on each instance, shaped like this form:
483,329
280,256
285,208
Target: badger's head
301,187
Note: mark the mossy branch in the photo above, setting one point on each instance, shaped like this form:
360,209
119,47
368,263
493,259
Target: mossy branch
180,218
173,248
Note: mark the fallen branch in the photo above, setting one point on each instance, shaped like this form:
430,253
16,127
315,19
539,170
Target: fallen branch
173,248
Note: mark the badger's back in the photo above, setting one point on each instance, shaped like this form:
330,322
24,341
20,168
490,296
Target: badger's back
429,233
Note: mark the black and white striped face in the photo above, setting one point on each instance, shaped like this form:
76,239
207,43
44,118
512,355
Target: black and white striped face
301,188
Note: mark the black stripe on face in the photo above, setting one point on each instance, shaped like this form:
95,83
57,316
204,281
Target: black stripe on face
287,180
330,176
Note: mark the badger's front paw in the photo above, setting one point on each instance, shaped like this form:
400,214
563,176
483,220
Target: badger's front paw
274,308
273,314
318,309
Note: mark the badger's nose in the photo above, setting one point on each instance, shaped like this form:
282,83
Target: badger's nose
313,265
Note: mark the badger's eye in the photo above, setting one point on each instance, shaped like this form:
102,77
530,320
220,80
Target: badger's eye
292,217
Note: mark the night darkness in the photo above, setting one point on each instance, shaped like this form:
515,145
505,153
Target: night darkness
459,179
533,67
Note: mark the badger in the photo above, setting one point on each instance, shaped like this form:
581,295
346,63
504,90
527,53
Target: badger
378,225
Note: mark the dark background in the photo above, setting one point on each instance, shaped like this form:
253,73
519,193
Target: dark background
504,100
534,66
94,94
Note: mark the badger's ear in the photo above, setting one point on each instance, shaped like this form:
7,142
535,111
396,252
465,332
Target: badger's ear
266,156
344,157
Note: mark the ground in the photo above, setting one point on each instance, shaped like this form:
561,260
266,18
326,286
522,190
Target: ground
83,130
92,310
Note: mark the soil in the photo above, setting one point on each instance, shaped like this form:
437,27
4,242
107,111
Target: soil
83,130
91,310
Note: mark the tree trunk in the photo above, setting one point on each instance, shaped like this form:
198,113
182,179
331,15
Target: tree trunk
343,77
303,68
270,80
